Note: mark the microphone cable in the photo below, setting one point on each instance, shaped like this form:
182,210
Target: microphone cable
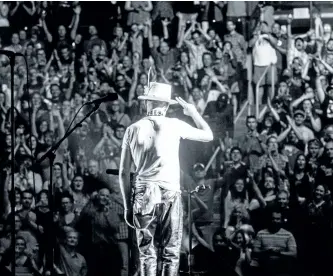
73,120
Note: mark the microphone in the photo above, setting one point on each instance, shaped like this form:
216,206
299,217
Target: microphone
7,53
110,97
10,53
112,172
116,172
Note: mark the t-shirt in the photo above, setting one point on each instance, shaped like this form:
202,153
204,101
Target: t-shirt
282,240
327,107
154,145
207,197
263,53
236,8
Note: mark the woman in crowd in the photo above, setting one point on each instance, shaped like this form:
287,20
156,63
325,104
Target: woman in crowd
239,220
24,263
80,198
301,184
60,178
66,218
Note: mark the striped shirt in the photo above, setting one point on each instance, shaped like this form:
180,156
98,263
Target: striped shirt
282,240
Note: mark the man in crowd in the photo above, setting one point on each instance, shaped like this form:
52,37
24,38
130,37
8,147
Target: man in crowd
275,247
99,224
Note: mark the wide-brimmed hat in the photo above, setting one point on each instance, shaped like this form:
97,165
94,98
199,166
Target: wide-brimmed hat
160,92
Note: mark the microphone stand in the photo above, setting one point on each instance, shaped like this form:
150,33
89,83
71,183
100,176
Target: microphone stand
189,210
50,154
189,258
189,229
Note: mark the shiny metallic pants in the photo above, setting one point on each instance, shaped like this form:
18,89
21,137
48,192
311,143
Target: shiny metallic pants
159,233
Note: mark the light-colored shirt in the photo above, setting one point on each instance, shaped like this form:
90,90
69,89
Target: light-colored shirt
294,53
307,134
196,53
27,183
263,53
154,145
236,8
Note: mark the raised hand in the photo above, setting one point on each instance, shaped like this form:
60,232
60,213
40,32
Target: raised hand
77,9
189,109
43,15
250,174
290,19
149,22
210,73
165,22
214,78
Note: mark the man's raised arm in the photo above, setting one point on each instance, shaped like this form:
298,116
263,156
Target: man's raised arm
203,132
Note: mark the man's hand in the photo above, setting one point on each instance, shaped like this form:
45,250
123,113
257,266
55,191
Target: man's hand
189,109
210,73
309,96
214,79
165,22
56,113
77,9
179,15
274,250
40,229
250,174
149,22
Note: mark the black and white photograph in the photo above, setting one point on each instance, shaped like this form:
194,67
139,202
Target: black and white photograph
166,138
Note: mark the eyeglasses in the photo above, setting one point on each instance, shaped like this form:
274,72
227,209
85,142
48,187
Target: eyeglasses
91,72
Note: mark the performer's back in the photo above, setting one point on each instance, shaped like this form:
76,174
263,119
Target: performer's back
154,144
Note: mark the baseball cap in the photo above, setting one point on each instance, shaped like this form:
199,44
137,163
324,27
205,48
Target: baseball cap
299,112
223,97
329,88
198,166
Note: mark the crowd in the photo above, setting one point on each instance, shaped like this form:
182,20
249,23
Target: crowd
264,205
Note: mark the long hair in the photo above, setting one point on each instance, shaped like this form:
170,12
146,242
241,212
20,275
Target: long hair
234,194
233,217
296,166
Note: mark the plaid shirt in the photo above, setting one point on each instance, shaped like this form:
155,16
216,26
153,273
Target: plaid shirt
238,46
280,160
117,207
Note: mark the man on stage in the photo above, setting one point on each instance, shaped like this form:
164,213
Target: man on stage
152,144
